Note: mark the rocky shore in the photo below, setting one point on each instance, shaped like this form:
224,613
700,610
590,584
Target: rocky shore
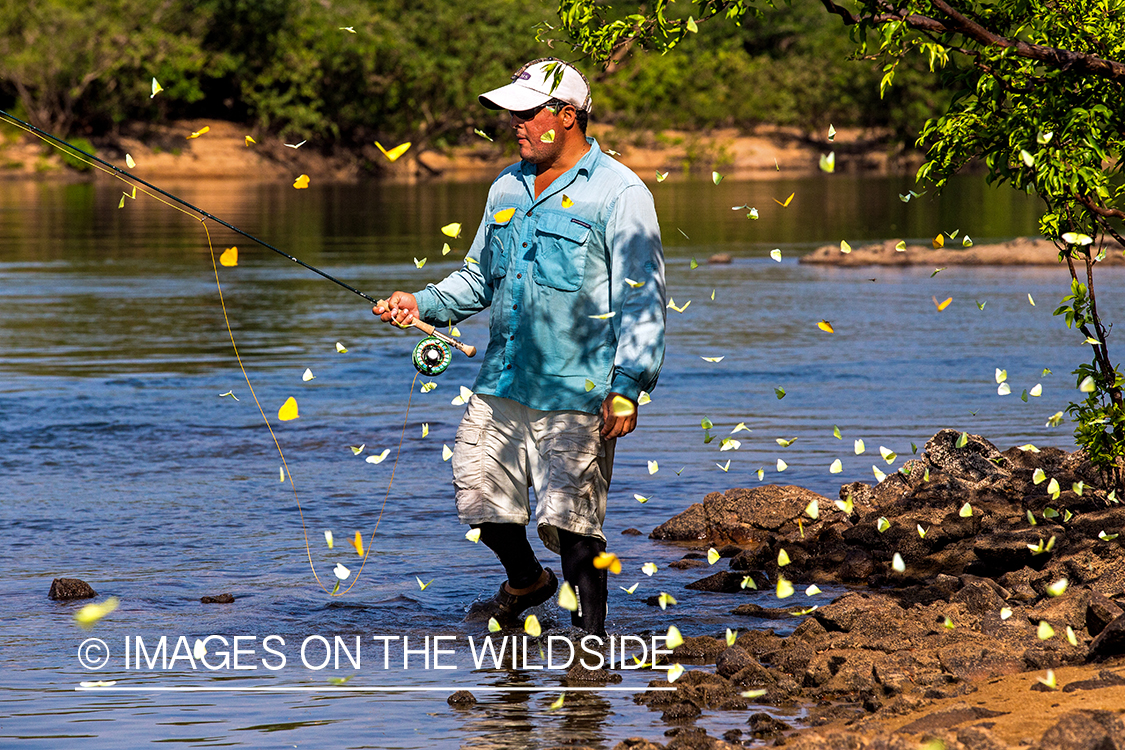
1022,251
987,610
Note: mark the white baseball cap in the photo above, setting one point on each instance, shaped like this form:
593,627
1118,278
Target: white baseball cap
538,82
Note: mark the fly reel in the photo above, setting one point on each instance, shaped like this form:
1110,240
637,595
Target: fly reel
432,356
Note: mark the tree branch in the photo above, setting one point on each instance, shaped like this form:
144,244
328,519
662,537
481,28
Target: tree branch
957,23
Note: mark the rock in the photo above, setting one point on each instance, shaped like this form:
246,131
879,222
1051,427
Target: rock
765,727
1100,611
1110,642
220,599
637,743
731,661
681,711
1105,678
1086,730
740,516
723,582
858,565
687,564
69,589
632,532
948,718
764,613
720,258
701,647
461,699
972,463
580,674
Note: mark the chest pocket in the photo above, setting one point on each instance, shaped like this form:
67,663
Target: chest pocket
501,238
560,255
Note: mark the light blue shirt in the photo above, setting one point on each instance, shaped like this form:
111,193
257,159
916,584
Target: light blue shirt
552,270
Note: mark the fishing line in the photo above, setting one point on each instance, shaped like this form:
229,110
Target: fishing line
130,178
114,171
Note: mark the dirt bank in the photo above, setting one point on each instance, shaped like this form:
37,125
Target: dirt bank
165,151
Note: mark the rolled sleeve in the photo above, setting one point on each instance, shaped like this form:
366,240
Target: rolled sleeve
463,293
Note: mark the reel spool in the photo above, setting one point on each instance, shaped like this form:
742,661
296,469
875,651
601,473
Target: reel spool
432,356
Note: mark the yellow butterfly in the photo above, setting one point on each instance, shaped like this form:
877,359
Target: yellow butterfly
787,201
357,542
288,410
250,140
501,217
201,131
329,539
129,161
532,627
341,348
454,230
419,263
301,182
341,571
943,304
661,176
548,137
229,257
156,88
939,242
567,202
825,326
421,585
395,152
91,613
607,561
672,304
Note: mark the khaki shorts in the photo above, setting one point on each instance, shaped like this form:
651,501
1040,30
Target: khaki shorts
503,449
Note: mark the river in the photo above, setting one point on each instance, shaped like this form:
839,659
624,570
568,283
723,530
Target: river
122,464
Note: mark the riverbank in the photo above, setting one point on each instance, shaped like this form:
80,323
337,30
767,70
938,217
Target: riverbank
166,151
988,610
1022,251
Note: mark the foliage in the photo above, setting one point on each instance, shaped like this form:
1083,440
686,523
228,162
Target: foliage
412,70
1037,95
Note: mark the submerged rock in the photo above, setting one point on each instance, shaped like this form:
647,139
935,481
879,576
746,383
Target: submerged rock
220,599
69,589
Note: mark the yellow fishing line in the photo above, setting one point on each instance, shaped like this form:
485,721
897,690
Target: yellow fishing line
246,376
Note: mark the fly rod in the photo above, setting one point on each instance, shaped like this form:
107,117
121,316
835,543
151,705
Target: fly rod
424,327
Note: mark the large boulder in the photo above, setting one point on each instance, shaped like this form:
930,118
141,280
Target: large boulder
740,516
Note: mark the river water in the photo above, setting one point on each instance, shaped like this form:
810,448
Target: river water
122,465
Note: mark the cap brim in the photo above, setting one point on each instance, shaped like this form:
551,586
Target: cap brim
513,98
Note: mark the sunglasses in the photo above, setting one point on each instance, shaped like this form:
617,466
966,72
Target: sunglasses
529,114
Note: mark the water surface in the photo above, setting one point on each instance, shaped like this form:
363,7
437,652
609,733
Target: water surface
122,465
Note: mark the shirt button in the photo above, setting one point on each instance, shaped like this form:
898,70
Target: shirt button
529,213
519,275
525,244
511,338
509,367
515,307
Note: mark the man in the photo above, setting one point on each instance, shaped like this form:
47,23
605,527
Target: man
568,258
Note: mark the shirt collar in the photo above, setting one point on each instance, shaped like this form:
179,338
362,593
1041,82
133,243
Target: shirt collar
586,165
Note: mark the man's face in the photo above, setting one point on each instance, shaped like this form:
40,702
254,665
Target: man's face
529,128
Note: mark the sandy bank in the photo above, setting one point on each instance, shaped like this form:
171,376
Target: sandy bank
1022,251
165,151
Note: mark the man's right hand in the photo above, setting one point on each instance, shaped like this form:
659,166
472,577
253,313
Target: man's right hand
401,308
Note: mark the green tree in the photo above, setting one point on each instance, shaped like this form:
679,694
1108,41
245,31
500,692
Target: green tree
1037,95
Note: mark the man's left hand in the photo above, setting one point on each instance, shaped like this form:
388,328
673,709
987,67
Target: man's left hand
617,425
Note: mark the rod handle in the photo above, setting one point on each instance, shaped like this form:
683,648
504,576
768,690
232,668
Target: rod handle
429,330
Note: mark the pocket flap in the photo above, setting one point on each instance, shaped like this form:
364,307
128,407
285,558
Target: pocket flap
567,444
467,434
564,225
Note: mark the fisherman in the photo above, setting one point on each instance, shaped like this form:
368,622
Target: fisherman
568,259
